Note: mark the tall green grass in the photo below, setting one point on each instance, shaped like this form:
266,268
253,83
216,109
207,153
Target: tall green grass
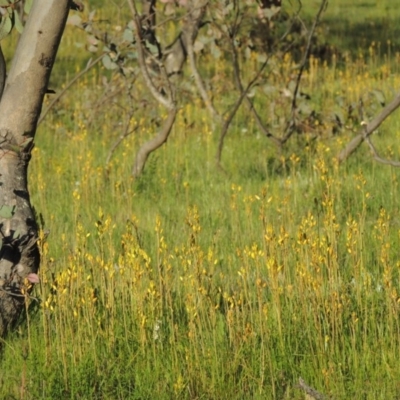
192,283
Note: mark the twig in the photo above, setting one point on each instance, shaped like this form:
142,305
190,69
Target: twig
367,130
378,158
257,117
105,97
243,95
232,114
374,152
311,391
26,296
142,63
200,83
3,72
169,102
123,135
292,124
69,84
239,84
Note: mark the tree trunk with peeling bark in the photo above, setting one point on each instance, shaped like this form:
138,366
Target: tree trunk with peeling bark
20,107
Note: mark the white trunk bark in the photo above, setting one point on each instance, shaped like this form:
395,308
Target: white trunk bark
20,108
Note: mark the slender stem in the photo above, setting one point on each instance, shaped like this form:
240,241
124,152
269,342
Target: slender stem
366,131
292,124
142,63
200,83
90,65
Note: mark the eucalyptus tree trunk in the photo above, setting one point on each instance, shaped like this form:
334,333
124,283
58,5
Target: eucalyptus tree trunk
20,107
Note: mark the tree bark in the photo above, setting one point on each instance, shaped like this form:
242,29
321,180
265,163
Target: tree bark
20,108
153,144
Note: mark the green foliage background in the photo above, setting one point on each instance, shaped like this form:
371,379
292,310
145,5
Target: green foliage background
194,283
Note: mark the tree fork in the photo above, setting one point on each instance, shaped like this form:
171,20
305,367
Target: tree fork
20,107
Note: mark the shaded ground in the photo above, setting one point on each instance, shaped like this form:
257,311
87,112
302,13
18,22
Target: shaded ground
355,25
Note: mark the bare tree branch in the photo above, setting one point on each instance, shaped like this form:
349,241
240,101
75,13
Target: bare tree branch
257,117
292,124
148,20
142,62
175,55
377,157
3,72
228,120
226,125
200,83
367,138
121,137
169,102
353,145
311,391
243,92
69,84
153,144
239,84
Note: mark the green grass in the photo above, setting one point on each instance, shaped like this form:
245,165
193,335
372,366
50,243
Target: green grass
192,283
353,26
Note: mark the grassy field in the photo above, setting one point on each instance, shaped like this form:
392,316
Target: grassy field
354,25
189,283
